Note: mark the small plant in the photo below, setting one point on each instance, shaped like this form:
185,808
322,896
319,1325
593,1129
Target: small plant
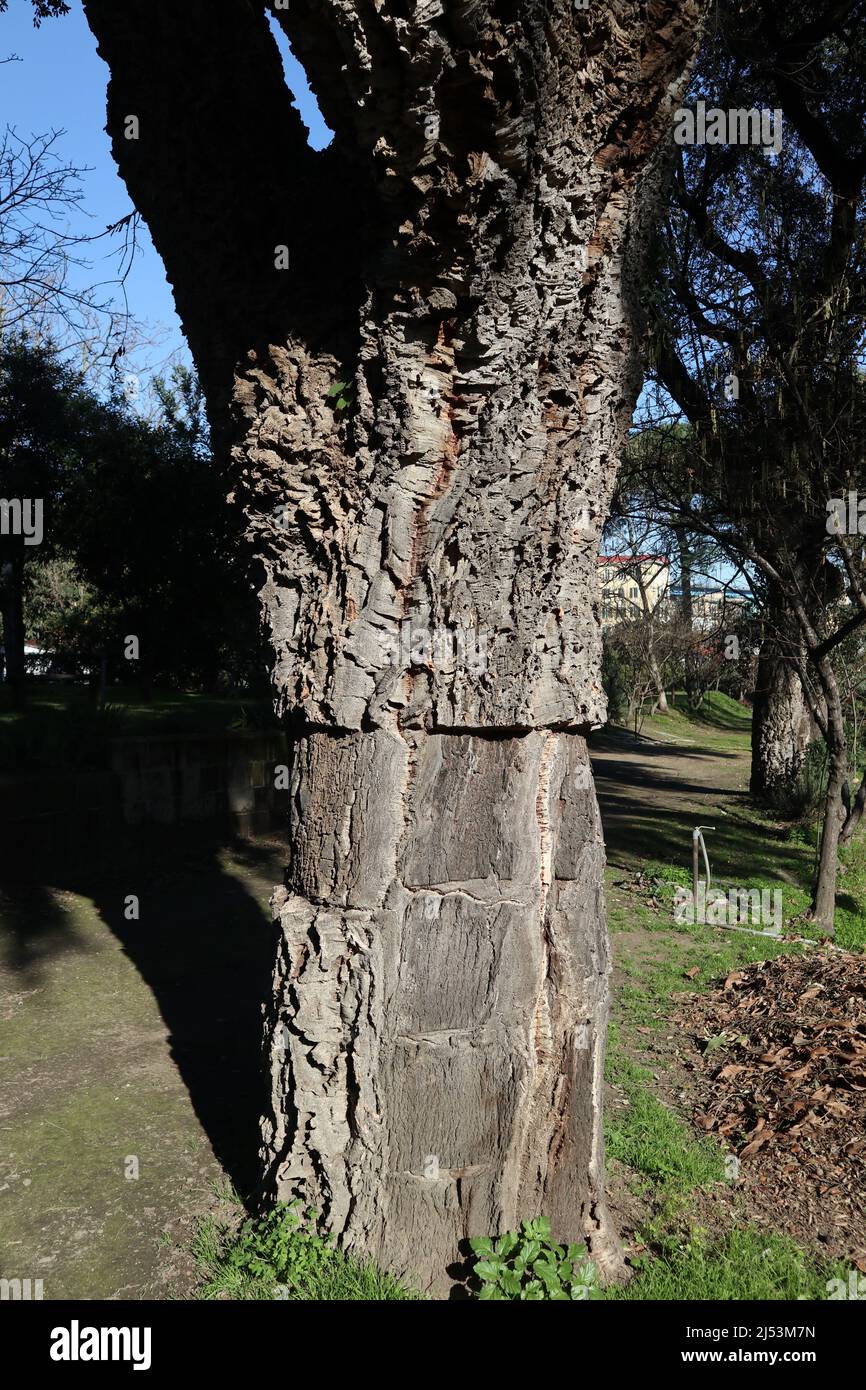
281,1247
529,1266
341,394
282,1255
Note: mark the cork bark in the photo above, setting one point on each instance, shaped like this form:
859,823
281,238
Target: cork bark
424,414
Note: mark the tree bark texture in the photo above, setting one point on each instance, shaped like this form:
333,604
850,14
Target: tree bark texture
441,991
781,729
462,259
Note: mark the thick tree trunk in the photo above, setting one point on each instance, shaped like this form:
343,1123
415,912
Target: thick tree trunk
428,533
440,996
441,992
12,614
781,728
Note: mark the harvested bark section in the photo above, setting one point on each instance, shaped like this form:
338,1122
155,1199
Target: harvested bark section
437,1033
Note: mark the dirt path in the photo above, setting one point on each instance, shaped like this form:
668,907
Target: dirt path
652,793
649,791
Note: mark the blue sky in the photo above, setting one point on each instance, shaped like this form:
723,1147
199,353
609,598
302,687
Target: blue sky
59,83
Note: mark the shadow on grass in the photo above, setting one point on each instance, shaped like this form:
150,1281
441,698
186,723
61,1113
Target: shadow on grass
716,713
204,946
627,744
648,813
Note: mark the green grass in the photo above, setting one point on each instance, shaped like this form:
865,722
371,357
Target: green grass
720,723
747,1265
62,726
851,894
650,1139
283,1256
654,975
667,1164
670,1165
717,711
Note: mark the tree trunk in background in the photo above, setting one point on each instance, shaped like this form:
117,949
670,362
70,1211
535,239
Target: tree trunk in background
694,697
12,614
824,891
661,697
836,740
781,727
428,535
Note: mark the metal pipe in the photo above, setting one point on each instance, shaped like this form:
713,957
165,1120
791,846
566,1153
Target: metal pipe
698,840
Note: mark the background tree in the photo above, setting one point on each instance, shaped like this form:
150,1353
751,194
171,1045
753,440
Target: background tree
40,400
758,337
137,538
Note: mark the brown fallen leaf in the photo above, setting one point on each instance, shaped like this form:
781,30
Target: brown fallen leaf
754,1146
799,1073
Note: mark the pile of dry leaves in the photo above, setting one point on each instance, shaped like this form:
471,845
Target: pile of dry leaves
779,1072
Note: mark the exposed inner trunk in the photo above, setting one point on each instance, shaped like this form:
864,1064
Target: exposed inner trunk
441,993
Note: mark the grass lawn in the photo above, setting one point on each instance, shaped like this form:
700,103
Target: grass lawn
692,1232
62,726
143,1041
718,714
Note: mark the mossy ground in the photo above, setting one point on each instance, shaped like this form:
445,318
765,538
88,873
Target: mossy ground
128,1040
